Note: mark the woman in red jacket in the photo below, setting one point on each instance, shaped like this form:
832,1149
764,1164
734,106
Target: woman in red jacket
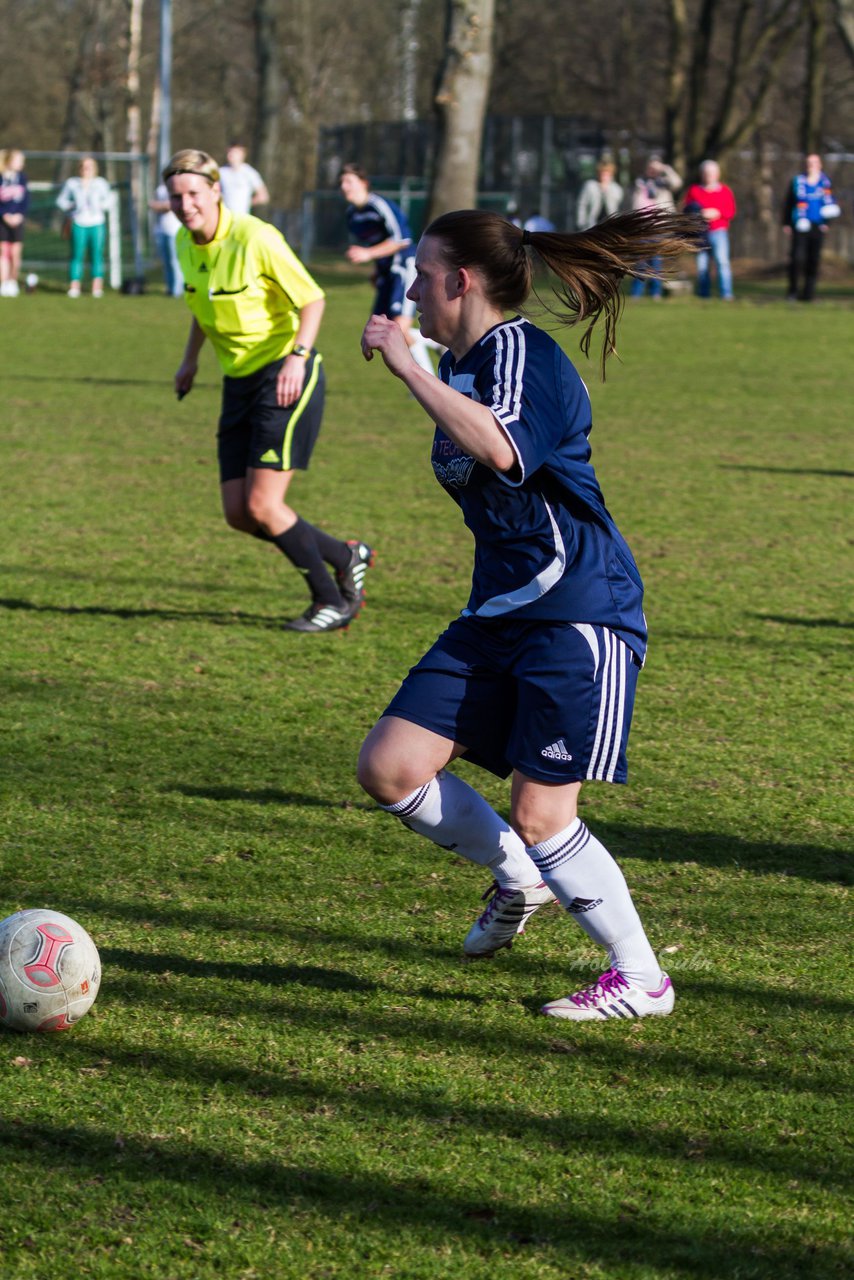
715,202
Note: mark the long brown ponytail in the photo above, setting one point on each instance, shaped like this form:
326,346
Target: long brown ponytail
588,266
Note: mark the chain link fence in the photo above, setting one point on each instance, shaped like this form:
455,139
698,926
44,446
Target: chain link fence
538,164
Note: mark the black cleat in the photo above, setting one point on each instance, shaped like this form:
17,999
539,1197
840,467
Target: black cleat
351,581
320,617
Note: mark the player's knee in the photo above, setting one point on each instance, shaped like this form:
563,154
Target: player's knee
531,832
237,518
386,778
261,510
370,774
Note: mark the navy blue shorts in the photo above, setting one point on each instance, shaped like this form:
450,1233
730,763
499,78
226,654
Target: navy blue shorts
551,699
254,429
391,299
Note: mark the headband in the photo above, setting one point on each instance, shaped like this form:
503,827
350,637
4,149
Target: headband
197,173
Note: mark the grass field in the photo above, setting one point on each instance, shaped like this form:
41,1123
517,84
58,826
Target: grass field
289,1073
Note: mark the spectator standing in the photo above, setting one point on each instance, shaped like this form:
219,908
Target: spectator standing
166,228
715,202
14,198
86,200
600,197
242,186
808,207
655,189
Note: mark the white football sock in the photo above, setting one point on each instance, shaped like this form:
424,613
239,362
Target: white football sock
451,813
587,881
421,356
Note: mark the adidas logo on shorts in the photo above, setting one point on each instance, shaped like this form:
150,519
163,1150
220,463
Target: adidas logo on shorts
557,751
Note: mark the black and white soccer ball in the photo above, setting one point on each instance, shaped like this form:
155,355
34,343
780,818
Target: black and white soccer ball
50,971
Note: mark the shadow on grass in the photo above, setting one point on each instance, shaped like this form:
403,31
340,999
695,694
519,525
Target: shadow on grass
284,975
787,471
803,622
431,1205
267,795
88,380
408,1021
231,617
671,845
664,844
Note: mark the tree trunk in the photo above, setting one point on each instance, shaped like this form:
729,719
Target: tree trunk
134,117
133,132
77,82
460,100
268,102
409,59
674,105
708,116
814,95
845,24
698,83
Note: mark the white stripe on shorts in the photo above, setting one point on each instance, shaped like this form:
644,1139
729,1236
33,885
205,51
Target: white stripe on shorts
613,655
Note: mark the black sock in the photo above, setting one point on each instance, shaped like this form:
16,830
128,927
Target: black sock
300,546
332,550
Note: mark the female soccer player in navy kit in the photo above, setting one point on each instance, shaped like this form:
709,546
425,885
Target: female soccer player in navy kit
381,237
537,676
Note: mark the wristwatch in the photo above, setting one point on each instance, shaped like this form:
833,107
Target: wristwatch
299,350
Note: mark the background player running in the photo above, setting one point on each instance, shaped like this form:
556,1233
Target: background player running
537,677
382,237
261,309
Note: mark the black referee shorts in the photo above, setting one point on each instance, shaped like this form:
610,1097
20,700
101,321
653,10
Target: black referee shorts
255,431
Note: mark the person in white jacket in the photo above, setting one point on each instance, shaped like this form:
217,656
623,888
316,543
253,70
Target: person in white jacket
86,200
600,197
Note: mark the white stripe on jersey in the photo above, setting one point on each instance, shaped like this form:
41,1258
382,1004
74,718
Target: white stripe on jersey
395,231
612,707
531,591
510,350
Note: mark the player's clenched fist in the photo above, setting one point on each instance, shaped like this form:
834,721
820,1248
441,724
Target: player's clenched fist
383,335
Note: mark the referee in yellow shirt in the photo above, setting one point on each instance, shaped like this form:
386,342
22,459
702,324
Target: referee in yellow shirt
260,308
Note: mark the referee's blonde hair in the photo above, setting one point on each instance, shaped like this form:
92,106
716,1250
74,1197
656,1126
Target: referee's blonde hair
196,162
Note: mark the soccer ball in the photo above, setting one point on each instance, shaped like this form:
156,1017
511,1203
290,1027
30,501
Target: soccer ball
50,971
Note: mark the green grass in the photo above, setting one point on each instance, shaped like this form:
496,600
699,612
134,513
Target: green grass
289,1073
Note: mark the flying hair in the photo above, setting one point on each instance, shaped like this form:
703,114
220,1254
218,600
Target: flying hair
587,267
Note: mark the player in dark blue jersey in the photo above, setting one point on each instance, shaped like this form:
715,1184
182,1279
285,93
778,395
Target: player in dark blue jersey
537,677
381,236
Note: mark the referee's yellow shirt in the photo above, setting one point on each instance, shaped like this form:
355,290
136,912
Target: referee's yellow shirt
245,289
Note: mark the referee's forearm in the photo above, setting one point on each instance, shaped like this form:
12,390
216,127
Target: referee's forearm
195,341
309,322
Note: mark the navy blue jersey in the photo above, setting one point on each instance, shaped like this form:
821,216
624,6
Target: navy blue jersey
377,220
14,193
546,546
